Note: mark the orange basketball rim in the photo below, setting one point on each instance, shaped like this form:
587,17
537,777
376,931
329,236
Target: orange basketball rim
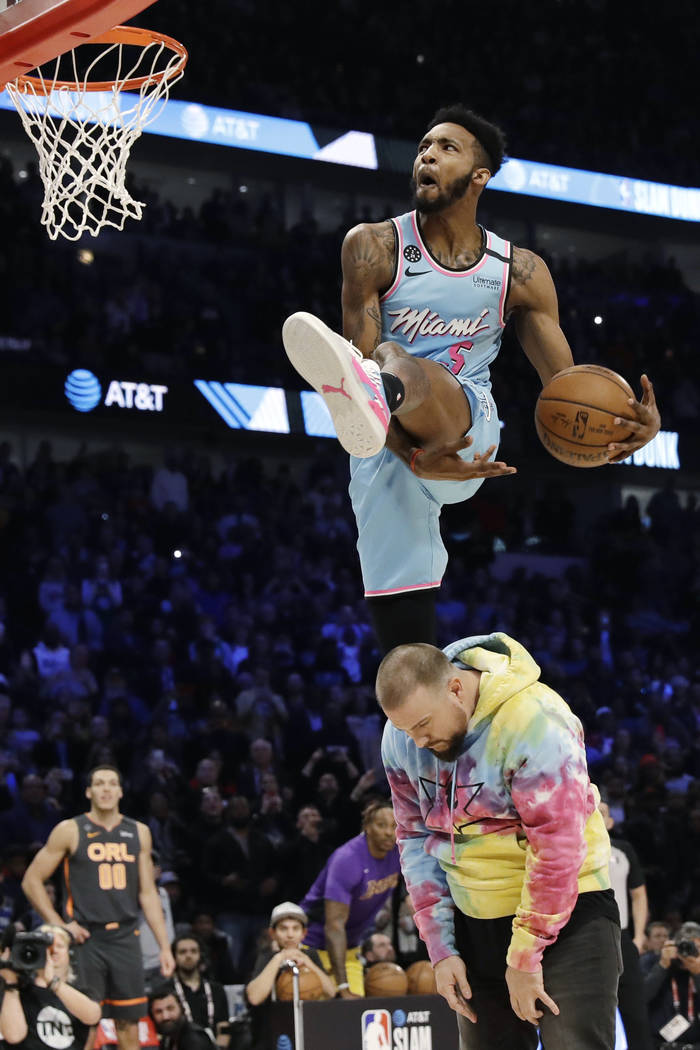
92,59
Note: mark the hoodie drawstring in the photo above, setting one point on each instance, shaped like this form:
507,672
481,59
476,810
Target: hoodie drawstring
452,811
452,801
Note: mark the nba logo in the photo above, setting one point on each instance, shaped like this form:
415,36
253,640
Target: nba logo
376,1030
580,424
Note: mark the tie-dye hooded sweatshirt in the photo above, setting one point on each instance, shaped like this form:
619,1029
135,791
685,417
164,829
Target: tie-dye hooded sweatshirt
509,828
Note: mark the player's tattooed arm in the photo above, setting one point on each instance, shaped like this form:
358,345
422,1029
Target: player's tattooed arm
532,300
368,266
524,265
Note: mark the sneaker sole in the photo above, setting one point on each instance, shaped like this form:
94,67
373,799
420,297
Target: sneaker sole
313,352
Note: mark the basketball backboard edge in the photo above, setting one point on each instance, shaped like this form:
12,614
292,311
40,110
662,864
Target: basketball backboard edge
35,31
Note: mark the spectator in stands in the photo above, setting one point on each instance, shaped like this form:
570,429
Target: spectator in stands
209,822
306,852
241,872
150,950
51,654
657,933
261,762
175,1031
171,883
77,680
207,775
288,925
101,592
202,999
216,948
272,813
260,710
32,817
75,622
170,484
53,587
377,947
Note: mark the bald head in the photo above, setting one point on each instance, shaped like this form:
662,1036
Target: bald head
406,668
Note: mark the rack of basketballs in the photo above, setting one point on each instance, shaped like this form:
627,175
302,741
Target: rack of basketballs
381,979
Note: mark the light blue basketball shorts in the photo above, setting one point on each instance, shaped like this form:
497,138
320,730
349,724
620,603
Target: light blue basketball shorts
398,514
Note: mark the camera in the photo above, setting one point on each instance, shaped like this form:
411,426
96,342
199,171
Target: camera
28,951
687,948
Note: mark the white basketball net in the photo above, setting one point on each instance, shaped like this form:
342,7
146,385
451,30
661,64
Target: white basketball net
84,137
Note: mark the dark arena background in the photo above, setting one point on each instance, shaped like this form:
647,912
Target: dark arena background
180,593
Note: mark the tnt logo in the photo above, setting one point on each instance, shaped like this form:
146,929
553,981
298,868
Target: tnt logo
376,1030
580,424
54,1028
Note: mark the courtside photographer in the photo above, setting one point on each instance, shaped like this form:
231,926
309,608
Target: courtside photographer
672,985
40,1006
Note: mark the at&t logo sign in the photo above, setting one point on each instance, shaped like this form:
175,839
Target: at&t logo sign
84,392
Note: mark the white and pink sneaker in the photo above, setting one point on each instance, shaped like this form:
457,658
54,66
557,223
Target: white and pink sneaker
349,383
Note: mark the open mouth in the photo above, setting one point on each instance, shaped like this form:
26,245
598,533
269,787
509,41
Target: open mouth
426,180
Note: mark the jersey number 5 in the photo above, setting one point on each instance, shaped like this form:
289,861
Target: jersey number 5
457,357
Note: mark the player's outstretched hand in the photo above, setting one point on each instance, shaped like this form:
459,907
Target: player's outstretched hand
525,990
644,428
443,463
453,986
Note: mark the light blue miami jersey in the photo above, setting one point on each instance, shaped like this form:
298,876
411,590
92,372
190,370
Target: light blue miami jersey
455,317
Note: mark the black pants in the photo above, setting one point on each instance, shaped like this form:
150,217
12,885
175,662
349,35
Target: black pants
633,1003
580,970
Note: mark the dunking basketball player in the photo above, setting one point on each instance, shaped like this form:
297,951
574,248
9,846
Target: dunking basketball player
108,875
425,299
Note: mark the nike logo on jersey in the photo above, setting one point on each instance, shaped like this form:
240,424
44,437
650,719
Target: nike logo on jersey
414,273
91,834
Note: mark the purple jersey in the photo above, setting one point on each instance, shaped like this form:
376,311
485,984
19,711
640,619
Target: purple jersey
354,877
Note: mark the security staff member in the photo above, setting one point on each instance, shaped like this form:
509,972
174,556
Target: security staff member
108,876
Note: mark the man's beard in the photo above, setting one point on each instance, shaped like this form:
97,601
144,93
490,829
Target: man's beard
169,1027
453,751
444,199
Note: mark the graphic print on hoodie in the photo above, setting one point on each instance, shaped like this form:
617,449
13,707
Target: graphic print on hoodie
511,827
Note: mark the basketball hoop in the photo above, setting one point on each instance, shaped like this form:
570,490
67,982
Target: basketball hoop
83,127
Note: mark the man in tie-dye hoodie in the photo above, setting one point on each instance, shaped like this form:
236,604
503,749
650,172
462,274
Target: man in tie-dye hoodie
503,849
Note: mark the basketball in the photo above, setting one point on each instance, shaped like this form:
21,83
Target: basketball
575,414
421,978
386,978
309,985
